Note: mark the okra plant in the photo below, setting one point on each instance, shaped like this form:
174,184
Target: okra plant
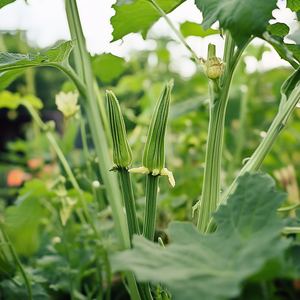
244,237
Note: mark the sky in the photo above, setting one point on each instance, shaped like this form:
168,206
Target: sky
45,22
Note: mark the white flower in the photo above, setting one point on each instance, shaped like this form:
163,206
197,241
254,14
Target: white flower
67,103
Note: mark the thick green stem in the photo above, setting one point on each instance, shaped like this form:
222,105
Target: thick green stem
218,103
261,152
236,159
126,187
84,69
151,204
83,65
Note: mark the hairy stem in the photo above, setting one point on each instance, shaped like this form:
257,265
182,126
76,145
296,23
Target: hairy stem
126,187
151,204
261,152
84,69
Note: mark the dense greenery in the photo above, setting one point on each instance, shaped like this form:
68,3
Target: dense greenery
228,229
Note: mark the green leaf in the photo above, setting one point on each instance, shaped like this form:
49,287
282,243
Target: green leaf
193,29
139,16
13,61
243,18
279,29
282,48
275,35
9,100
34,101
61,52
125,2
108,67
6,78
293,5
23,222
5,2
12,100
247,243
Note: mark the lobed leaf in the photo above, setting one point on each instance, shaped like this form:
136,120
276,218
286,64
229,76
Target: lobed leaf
13,61
242,18
214,266
138,16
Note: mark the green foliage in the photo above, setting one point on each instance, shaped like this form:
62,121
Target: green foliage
6,78
64,249
294,5
12,61
12,101
193,29
215,265
108,67
5,2
275,35
142,12
242,18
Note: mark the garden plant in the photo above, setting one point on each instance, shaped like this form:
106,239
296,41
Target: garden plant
157,186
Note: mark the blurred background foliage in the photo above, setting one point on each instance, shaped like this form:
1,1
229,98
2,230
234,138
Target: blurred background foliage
137,83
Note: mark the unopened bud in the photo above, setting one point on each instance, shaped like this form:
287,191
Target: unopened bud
122,155
154,151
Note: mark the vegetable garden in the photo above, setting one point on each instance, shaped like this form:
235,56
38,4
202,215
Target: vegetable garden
144,183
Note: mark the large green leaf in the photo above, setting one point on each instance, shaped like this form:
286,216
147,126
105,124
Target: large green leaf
13,61
108,67
293,5
138,16
207,267
5,2
243,18
275,35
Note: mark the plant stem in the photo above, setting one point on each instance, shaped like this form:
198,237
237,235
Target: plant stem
84,69
261,152
218,102
176,31
239,138
83,66
17,260
126,187
151,204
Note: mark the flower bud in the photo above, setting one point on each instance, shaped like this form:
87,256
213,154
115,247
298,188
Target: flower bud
122,155
212,65
154,151
67,103
214,68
